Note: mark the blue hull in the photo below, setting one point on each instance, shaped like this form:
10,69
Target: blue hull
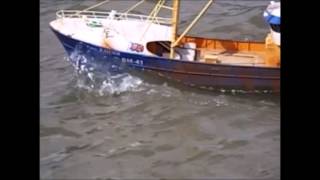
190,73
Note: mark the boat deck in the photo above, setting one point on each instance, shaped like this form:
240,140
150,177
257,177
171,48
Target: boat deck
231,57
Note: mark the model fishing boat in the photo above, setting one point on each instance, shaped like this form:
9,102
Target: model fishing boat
151,43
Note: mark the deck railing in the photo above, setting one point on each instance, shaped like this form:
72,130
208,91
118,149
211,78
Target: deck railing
105,15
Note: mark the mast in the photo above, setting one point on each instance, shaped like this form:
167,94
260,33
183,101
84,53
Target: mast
174,21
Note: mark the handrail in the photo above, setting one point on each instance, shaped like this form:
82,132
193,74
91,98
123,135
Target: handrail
103,15
153,15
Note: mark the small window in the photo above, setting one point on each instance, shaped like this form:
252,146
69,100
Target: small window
275,27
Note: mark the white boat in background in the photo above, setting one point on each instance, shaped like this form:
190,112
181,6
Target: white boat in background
273,16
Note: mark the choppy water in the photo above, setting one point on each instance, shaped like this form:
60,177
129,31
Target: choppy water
131,126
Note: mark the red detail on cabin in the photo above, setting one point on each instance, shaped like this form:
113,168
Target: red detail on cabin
136,47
